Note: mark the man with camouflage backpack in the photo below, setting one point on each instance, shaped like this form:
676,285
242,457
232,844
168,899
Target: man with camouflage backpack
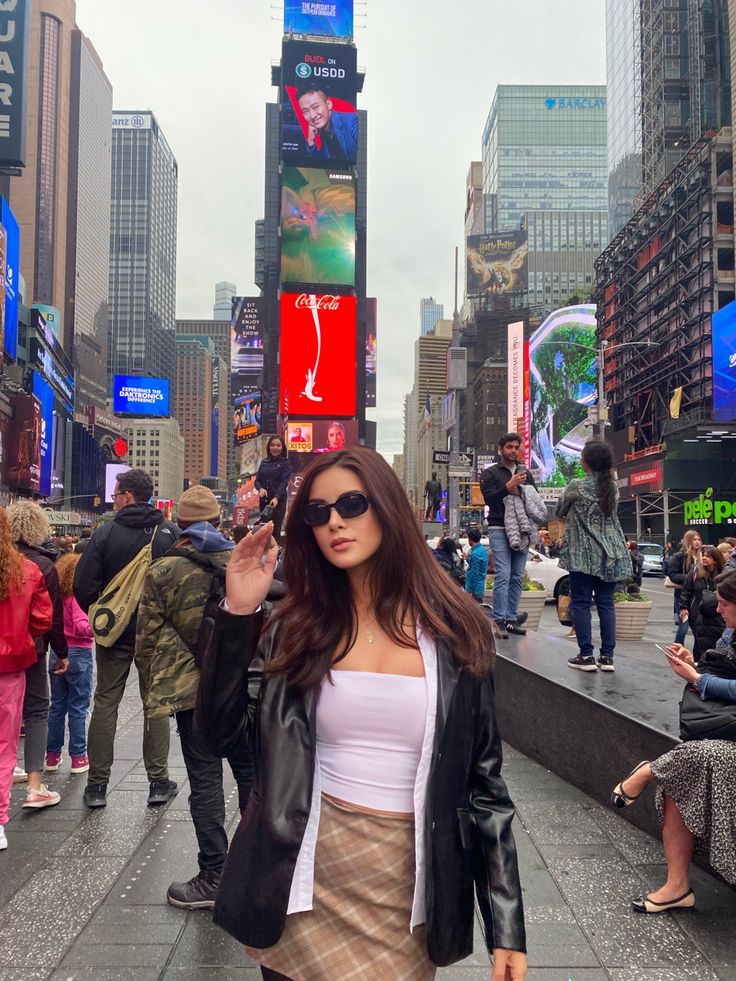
172,617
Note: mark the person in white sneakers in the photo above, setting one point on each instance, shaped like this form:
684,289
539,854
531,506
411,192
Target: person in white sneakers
25,613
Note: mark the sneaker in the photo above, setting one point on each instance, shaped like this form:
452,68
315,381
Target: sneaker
199,893
80,764
3,839
522,618
515,628
20,775
582,663
501,627
95,795
53,762
606,664
161,791
43,797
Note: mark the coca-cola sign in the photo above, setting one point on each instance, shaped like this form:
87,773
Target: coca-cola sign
317,355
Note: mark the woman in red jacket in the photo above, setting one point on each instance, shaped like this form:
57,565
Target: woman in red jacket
25,613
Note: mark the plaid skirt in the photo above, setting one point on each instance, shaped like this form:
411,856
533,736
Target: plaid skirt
363,894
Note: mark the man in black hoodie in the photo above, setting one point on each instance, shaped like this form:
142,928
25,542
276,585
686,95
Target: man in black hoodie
110,549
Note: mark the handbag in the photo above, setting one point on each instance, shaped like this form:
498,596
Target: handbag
709,719
671,585
563,610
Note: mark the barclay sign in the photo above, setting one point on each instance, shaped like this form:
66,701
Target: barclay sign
704,510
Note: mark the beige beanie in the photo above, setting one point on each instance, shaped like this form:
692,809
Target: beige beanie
197,504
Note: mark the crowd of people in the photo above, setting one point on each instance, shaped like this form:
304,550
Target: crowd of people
326,674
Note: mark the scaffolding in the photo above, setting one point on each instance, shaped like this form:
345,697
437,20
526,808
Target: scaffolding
652,104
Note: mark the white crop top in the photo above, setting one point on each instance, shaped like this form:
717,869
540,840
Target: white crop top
370,730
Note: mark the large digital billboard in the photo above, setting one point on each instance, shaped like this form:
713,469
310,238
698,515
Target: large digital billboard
317,355
14,19
319,118
246,339
24,443
317,227
324,19
247,417
563,369
45,395
371,352
12,272
497,263
723,328
136,396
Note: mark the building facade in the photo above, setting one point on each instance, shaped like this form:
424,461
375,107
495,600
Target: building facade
157,446
195,364
430,311
623,84
224,293
563,247
142,281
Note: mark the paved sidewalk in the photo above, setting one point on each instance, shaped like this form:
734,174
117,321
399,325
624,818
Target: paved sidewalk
83,894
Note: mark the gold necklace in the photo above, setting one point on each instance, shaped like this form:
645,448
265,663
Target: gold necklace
369,635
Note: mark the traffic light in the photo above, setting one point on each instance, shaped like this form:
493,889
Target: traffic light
97,501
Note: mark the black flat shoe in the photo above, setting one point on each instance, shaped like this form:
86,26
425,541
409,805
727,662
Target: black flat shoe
621,799
647,905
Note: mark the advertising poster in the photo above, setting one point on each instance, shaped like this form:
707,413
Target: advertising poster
724,362
319,118
563,370
45,395
317,227
318,355
307,440
497,263
250,456
247,416
515,413
246,341
371,352
134,395
324,19
24,444
12,272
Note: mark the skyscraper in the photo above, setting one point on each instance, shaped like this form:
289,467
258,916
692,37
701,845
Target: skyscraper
142,284
195,360
88,222
224,293
430,311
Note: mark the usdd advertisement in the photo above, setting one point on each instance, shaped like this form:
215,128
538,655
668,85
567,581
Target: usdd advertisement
247,407
319,118
563,368
324,19
317,227
497,263
318,355
724,362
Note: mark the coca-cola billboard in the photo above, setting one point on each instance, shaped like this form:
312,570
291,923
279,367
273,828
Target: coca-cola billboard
317,355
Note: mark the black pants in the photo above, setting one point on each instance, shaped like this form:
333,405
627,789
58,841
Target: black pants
269,975
206,797
278,515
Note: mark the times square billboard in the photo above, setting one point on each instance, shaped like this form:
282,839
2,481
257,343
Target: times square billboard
323,19
497,263
318,355
317,227
319,117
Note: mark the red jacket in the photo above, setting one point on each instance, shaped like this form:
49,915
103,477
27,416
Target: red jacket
25,614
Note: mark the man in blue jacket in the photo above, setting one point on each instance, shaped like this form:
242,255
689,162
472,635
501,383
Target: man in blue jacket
338,131
475,579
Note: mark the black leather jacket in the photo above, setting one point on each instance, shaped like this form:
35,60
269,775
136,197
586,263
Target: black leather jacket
468,814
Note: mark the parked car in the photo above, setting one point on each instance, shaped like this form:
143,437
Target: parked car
653,555
539,567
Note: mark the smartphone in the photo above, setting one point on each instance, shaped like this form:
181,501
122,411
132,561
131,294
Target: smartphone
666,653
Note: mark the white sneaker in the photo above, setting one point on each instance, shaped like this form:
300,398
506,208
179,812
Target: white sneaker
3,839
19,775
43,797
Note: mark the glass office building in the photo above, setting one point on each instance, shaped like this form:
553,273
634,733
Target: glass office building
544,149
623,81
142,249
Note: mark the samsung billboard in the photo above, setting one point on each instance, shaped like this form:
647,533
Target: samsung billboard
135,396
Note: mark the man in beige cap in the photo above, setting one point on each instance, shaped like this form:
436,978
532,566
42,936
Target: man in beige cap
175,596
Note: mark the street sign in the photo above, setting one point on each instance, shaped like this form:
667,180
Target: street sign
62,517
462,474
466,460
551,495
441,457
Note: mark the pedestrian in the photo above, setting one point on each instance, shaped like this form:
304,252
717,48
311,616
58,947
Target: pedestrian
272,482
695,799
496,483
71,692
682,563
29,528
25,613
173,605
113,545
448,557
84,537
698,600
475,578
637,563
667,554
371,662
594,552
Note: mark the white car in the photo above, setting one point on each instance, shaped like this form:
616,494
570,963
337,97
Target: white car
652,559
539,567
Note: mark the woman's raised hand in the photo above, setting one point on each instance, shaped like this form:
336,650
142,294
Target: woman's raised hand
250,571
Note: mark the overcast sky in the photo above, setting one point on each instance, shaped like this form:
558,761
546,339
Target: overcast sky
431,68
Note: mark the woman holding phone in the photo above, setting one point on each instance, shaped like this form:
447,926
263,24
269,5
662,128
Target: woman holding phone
695,781
368,698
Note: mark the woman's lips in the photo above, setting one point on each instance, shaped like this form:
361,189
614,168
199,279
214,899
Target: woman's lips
340,544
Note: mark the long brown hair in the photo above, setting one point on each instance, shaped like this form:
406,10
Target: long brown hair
691,555
317,621
718,558
65,567
11,561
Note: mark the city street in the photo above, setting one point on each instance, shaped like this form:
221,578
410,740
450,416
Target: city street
83,894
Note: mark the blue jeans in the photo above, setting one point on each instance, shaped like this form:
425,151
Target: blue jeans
582,587
509,567
71,694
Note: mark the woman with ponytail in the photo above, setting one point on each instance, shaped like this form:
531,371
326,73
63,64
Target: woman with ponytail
594,551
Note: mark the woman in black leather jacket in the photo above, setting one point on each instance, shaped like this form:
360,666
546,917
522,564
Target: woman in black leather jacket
272,482
698,601
319,883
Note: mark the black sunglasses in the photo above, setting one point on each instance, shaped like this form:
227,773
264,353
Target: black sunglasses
348,505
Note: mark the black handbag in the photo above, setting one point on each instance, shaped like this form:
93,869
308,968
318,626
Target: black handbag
709,719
